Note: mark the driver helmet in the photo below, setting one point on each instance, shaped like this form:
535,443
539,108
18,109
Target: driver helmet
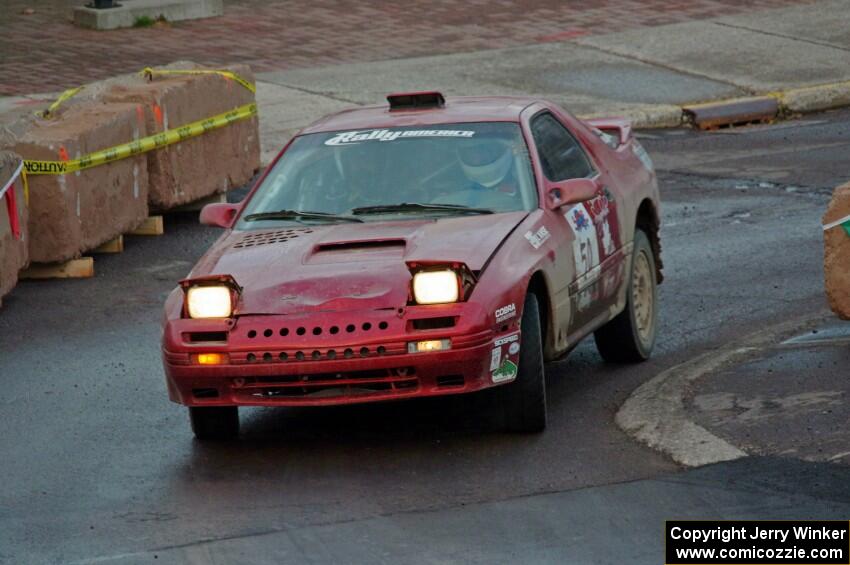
485,161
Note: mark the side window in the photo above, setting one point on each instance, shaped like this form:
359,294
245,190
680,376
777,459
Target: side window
560,154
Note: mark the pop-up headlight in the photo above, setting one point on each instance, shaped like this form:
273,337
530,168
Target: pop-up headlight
209,302
213,296
435,287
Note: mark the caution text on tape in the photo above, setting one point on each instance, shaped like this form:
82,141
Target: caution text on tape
143,145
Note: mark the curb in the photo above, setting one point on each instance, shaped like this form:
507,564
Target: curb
814,98
647,116
655,412
792,101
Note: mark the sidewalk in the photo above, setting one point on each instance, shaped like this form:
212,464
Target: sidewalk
644,74
640,72
44,52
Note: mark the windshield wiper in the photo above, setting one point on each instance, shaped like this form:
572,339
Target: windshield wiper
419,207
298,214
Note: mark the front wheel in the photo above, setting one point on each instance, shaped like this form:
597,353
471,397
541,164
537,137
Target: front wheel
524,401
214,422
630,336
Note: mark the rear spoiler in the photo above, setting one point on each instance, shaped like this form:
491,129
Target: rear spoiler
619,127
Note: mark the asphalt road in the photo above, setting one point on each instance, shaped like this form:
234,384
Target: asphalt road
98,466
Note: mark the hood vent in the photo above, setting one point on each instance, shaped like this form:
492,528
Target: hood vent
374,245
268,237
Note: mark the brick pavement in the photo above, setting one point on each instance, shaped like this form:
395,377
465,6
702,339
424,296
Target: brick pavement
44,52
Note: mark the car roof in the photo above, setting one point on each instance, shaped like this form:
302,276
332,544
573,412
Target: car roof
457,109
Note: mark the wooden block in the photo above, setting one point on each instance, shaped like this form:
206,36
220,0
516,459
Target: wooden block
74,269
112,246
200,203
151,226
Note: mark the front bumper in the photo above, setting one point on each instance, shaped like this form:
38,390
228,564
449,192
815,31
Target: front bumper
327,358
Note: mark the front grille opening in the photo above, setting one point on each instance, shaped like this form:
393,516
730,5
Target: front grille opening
205,337
396,375
205,392
447,381
434,323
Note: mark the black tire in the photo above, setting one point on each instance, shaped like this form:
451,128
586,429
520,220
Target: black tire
523,401
626,338
214,422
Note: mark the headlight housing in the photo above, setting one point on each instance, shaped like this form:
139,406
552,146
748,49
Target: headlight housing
209,301
436,287
211,296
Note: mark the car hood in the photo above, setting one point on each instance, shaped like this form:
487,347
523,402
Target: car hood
348,266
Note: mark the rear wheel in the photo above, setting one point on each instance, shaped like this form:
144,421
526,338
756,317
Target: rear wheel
524,401
630,336
214,422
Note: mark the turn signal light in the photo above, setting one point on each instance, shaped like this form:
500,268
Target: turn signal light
429,345
211,358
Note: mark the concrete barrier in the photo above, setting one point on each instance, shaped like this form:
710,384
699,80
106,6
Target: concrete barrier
836,258
199,167
14,255
76,212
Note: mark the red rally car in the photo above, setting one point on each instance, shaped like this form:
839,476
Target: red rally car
432,246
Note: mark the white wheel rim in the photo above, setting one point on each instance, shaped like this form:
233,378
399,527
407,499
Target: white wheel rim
643,297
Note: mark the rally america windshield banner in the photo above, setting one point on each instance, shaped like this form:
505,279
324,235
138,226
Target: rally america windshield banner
352,137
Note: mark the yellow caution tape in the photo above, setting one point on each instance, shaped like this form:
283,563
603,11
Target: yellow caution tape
150,73
64,96
143,145
26,187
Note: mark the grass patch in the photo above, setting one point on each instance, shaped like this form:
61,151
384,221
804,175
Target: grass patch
146,21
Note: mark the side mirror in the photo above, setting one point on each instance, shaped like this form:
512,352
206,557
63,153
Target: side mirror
572,191
219,215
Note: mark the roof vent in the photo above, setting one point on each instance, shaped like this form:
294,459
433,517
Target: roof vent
416,100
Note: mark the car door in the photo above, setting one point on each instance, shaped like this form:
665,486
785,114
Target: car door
592,227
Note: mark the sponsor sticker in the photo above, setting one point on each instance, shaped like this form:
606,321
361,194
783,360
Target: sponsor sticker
537,238
585,245
514,348
506,312
507,339
506,372
495,358
353,137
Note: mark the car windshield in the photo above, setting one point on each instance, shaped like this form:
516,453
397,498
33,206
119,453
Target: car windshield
437,170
